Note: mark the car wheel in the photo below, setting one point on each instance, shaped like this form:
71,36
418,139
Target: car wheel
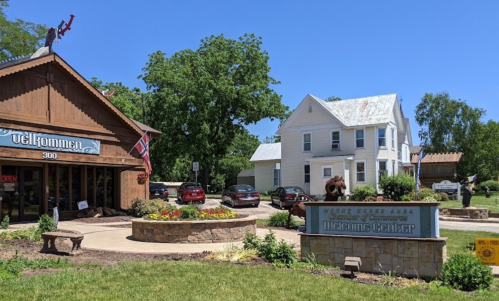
281,204
232,203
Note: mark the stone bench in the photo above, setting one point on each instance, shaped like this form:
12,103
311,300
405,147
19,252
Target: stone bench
51,236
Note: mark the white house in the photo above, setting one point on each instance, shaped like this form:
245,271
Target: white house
267,160
357,139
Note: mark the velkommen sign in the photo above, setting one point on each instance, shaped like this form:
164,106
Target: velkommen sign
41,141
398,219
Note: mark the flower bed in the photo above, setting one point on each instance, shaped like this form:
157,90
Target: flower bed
191,224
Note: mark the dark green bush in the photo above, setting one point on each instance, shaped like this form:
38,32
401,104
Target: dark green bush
466,272
141,207
279,253
280,219
46,224
5,222
444,197
361,192
493,185
397,186
189,212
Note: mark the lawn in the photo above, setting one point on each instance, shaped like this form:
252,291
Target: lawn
477,200
170,280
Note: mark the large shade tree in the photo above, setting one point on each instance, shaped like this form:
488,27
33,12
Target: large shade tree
450,125
201,99
18,37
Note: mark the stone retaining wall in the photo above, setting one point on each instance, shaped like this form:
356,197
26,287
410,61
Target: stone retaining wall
203,231
471,212
418,257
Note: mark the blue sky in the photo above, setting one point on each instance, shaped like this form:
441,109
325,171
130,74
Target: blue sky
347,49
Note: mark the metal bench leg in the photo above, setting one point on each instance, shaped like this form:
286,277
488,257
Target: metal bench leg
76,250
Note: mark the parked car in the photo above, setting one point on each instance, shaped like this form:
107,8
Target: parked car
191,192
285,196
240,195
158,191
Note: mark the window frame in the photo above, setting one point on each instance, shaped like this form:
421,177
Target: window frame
278,177
303,142
363,138
393,138
324,167
384,138
379,168
333,141
357,171
305,173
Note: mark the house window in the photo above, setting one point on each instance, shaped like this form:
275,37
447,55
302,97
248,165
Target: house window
382,169
360,170
382,138
307,142
306,173
359,138
277,177
393,138
327,171
335,140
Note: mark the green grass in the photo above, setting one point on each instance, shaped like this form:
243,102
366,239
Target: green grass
461,241
207,281
477,200
265,222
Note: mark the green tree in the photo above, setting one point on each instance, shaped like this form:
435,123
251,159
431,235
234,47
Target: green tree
333,98
486,154
201,99
19,38
449,125
132,102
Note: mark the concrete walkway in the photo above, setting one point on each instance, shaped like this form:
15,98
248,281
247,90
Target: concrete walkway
106,238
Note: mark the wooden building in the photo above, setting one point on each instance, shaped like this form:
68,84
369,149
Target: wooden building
436,167
62,142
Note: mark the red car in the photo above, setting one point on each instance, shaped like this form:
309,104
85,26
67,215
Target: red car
190,192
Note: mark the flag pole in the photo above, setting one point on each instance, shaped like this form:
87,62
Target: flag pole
137,142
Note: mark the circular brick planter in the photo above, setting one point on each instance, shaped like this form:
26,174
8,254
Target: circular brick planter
198,231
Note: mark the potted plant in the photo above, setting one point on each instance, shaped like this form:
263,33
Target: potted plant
141,178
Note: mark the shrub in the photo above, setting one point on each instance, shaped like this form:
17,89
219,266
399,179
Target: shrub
466,272
141,207
189,212
279,253
5,222
280,219
376,199
423,193
361,192
493,185
429,199
405,198
31,233
444,197
397,186
46,224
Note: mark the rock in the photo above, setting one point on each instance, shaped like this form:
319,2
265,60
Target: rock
97,215
107,212
99,210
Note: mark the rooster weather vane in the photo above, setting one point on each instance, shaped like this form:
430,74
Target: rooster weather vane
55,34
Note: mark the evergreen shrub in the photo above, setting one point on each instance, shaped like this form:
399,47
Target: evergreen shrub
466,272
396,186
361,192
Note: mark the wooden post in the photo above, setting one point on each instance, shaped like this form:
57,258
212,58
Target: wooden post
57,195
84,183
94,175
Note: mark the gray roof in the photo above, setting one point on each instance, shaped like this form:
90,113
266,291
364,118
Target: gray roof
361,111
265,152
246,173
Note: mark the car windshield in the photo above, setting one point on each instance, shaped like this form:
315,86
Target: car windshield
193,187
245,189
157,187
294,190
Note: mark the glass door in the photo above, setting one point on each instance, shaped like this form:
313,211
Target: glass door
22,192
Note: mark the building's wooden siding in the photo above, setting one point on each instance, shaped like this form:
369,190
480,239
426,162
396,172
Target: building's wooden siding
264,175
130,189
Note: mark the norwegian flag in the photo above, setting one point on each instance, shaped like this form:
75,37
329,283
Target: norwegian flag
143,148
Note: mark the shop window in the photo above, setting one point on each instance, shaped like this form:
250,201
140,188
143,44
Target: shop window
90,186
76,186
52,182
63,188
110,188
99,173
